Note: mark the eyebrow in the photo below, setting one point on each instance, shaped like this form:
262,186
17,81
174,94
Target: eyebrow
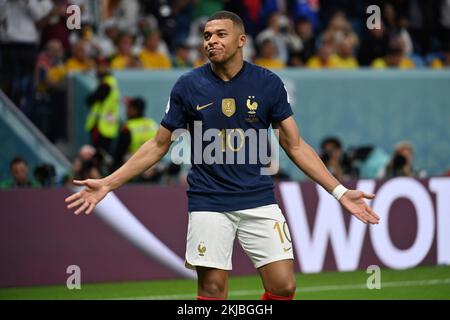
218,30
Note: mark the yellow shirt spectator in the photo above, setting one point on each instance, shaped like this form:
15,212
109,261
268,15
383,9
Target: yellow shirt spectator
73,65
316,63
270,63
154,60
120,62
436,64
347,63
57,73
404,63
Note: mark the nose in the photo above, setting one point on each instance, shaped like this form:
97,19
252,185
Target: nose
212,40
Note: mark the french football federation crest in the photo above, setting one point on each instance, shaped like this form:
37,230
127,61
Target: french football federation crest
228,107
252,106
201,248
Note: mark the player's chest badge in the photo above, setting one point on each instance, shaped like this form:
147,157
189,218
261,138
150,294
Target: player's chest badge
252,107
228,107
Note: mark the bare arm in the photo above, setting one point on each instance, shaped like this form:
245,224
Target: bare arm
307,160
303,155
96,189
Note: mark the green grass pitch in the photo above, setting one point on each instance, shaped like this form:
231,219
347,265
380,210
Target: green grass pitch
417,283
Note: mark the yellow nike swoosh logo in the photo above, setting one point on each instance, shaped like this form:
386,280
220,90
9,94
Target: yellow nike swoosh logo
204,106
286,250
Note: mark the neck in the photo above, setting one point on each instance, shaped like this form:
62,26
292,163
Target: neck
227,70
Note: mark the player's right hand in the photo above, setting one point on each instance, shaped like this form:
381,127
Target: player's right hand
93,192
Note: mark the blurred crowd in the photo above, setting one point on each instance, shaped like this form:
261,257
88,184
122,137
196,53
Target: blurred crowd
360,162
38,52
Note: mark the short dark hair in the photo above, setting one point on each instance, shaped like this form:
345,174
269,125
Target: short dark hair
222,15
17,160
139,104
331,140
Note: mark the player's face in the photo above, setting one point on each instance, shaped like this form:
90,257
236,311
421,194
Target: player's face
222,40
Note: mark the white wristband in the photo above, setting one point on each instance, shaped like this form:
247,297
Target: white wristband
339,191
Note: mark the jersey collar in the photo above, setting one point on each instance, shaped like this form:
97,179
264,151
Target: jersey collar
237,76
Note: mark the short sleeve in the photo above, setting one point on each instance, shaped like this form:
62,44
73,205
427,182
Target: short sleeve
175,117
281,107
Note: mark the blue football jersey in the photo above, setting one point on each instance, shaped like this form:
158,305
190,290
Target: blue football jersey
233,112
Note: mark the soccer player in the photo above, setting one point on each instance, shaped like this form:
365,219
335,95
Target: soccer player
230,200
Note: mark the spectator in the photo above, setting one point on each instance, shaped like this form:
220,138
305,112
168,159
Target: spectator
375,45
150,57
395,58
268,54
19,40
125,58
332,154
126,13
396,27
137,130
83,164
325,58
54,25
51,57
105,40
181,59
86,153
308,10
102,121
19,175
195,37
347,59
79,60
49,109
147,25
74,174
45,174
423,22
443,61
338,29
276,31
90,170
305,31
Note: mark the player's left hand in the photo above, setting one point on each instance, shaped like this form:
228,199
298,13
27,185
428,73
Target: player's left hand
353,201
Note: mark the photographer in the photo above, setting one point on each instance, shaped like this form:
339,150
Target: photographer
335,159
45,174
401,163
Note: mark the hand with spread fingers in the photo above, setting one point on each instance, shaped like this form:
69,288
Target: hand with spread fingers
93,192
353,201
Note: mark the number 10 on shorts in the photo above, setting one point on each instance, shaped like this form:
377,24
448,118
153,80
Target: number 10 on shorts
283,233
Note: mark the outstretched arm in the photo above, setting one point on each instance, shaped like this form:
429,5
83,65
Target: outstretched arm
96,189
307,160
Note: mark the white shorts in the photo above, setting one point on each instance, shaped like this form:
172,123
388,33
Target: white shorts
262,233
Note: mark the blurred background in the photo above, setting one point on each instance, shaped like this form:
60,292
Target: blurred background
77,103
367,107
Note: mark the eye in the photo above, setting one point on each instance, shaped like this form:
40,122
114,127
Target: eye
207,36
222,34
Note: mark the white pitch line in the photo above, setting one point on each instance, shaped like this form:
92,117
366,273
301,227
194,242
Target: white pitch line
237,293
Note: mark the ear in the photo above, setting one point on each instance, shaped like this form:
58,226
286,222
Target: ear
242,40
